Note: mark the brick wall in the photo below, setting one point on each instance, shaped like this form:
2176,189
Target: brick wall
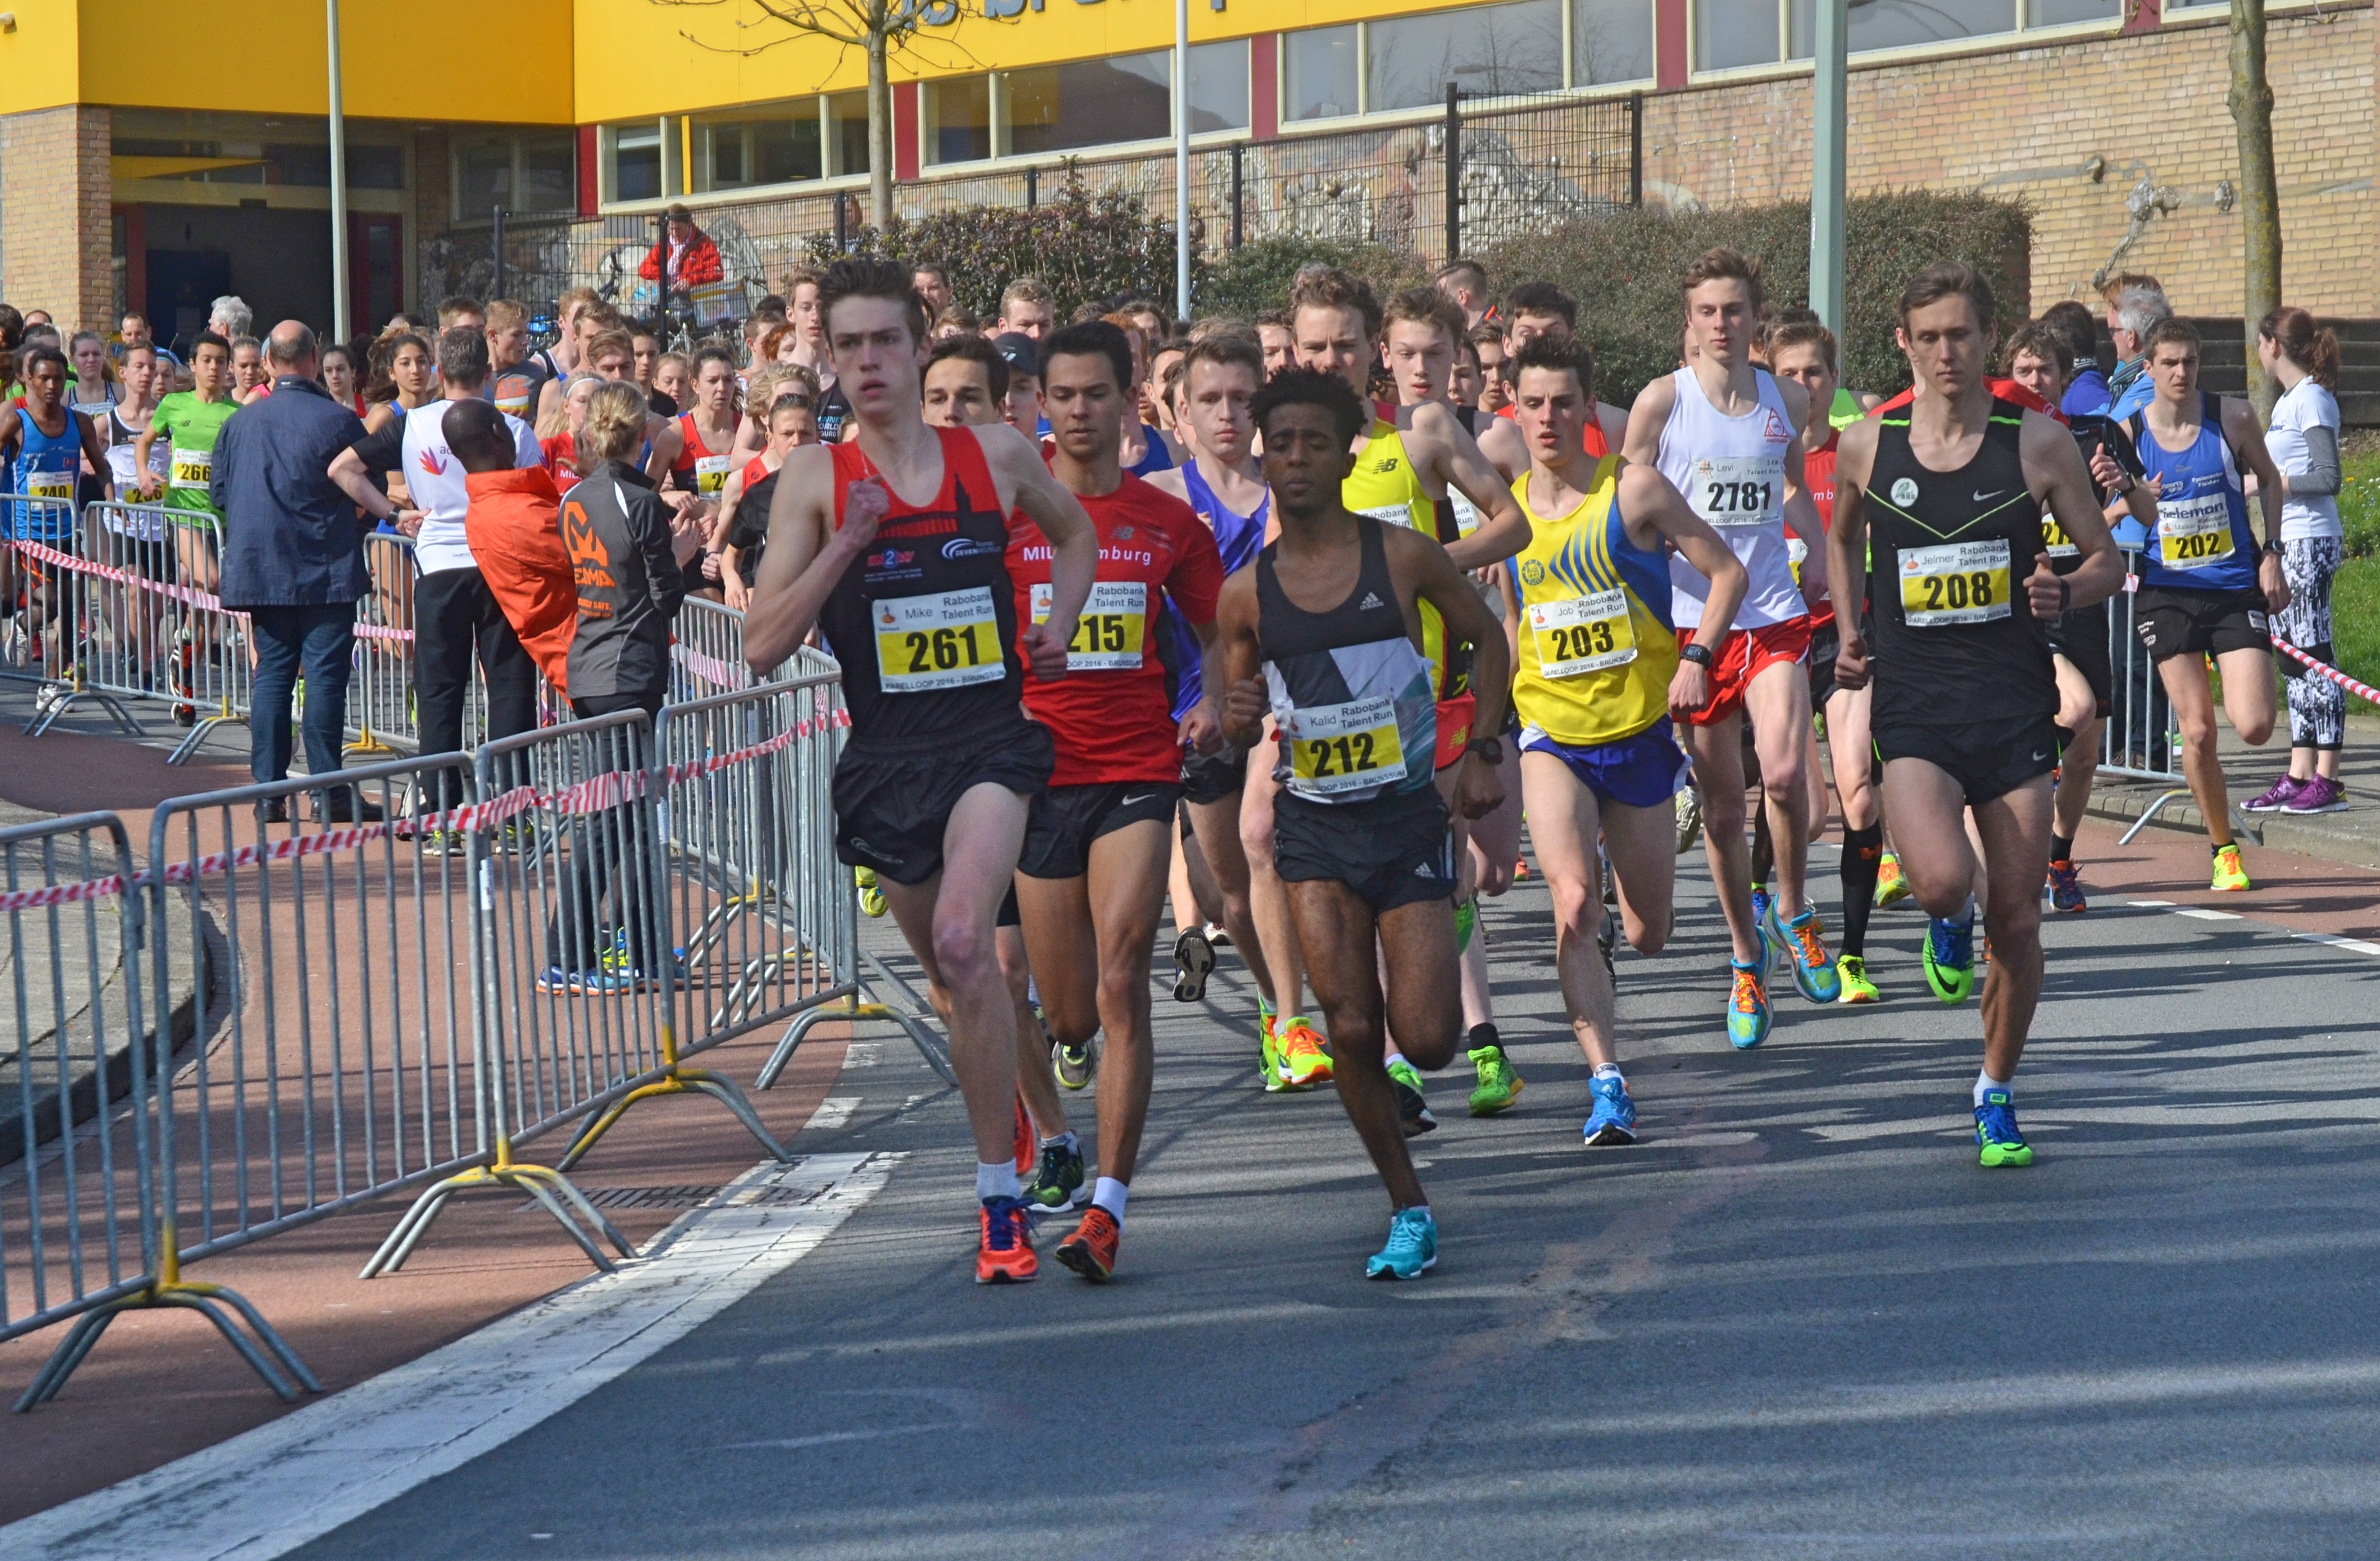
54,211
2028,123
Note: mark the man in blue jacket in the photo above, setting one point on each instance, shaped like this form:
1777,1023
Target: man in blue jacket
292,560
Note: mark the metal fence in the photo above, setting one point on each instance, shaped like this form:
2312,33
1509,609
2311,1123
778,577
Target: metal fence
1519,164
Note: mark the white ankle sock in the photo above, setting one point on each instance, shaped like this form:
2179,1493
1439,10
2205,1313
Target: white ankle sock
1109,1194
1984,1080
998,1181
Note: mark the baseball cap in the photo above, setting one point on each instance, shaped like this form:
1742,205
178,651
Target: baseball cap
1022,353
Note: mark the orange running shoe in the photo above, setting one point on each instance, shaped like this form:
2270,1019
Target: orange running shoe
1091,1250
1027,1156
1303,1061
1005,1255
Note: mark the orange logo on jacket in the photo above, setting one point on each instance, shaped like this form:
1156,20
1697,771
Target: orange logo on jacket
591,561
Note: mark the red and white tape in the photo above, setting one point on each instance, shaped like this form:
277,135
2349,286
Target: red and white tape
190,595
710,667
2361,691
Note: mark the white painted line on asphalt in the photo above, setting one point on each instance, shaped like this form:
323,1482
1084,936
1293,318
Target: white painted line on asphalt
832,1113
2355,944
2150,905
269,1491
2206,915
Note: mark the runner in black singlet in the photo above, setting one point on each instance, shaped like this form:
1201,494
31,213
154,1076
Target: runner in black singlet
1948,496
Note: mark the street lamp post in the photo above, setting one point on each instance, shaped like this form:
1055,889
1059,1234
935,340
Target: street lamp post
338,181
1827,178
1182,159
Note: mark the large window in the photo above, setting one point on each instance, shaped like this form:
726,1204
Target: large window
779,144
1487,51
1219,87
524,173
637,161
1611,40
1731,33
1058,107
848,114
958,119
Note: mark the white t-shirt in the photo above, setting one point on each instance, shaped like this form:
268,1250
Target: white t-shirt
2308,406
434,478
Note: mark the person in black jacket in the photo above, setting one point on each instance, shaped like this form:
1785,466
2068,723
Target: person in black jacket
623,545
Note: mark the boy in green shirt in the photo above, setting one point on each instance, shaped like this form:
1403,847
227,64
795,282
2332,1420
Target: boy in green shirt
190,420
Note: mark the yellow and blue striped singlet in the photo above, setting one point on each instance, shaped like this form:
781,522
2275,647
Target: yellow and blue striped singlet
1598,649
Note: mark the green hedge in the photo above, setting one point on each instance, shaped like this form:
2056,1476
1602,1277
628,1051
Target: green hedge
1623,269
1086,248
1253,279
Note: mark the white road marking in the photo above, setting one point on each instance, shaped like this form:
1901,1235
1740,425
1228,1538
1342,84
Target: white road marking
2355,944
2205,915
832,1113
2150,905
269,1491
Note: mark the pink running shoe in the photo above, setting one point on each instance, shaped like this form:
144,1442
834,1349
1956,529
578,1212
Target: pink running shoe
2275,799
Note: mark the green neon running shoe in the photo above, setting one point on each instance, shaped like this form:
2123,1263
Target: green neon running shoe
1413,1105
1951,959
1997,1143
1466,922
1497,1086
871,894
1057,1182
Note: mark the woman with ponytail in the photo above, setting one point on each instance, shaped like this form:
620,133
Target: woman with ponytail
2303,440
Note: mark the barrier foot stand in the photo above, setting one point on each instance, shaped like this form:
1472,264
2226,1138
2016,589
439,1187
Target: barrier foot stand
366,743
209,1301
2149,814
677,1081
854,1011
198,734
58,697
914,1022
550,1189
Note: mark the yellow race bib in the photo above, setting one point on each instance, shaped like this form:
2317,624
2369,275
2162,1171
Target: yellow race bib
710,474
1349,747
948,641
2194,534
191,468
1111,634
1576,634
1959,582
2054,539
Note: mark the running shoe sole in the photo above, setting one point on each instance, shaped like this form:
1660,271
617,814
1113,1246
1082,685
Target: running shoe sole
1195,958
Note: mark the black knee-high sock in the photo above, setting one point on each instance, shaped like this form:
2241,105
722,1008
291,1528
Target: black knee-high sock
1862,855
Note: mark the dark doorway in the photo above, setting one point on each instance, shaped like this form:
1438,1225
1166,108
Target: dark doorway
375,269
183,284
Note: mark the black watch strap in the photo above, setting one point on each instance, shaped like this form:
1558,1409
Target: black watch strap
1698,654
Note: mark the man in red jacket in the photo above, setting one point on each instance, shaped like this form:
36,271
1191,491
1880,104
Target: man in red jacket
687,258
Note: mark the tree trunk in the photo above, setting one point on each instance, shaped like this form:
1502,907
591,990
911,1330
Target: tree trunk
879,121
2251,102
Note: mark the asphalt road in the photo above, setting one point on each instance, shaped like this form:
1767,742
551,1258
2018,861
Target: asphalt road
1797,1320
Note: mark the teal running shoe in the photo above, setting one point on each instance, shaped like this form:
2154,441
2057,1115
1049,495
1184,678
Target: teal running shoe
1057,1184
1951,959
1997,1143
1748,1017
1413,1105
1612,1124
1805,950
1411,1250
1764,910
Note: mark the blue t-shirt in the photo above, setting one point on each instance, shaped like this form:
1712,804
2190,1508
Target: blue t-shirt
1239,538
2087,393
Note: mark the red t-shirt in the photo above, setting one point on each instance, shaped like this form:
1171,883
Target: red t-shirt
1818,480
1111,713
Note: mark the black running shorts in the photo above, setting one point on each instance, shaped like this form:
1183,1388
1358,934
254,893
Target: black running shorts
892,804
2080,637
1987,759
1066,819
1211,777
1824,642
1394,851
2181,623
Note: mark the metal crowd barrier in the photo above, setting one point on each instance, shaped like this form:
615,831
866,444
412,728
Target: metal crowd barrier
707,657
381,715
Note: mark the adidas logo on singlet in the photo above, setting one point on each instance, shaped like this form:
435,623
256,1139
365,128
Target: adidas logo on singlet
1371,602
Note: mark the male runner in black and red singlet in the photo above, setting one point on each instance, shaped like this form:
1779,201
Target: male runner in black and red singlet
894,546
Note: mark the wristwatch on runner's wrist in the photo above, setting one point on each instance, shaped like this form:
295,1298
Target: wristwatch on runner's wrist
1698,654
1490,748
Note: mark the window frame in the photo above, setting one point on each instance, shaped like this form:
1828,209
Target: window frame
515,142
2022,35
1365,115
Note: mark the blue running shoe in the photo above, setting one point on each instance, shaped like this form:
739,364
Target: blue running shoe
1613,1121
1411,1250
1813,967
1997,1143
1764,911
1951,959
1747,1007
